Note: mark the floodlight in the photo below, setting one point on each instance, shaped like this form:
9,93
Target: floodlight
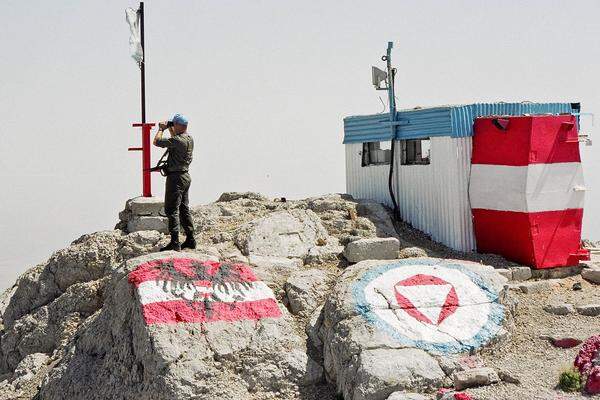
378,77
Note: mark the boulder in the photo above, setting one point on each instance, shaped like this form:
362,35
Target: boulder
161,336
28,368
381,311
232,196
591,275
331,252
372,249
475,377
306,289
411,252
521,273
590,310
505,272
536,286
559,309
556,273
381,372
288,234
379,216
313,328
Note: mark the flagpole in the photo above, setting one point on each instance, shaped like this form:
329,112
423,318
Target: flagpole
143,63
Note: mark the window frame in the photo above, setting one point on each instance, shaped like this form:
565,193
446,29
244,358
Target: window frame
412,155
373,155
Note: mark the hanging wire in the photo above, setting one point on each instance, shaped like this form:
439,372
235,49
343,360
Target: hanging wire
383,104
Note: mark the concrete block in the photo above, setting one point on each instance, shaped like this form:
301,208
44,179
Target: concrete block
372,249
146,206
148,223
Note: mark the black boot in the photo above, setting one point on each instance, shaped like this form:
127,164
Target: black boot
173,244
190,242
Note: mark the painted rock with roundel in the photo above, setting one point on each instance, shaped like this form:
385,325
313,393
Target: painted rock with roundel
174,326
403,316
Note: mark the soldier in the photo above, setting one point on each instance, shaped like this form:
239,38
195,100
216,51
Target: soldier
181,147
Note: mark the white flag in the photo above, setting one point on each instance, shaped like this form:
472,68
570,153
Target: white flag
135,42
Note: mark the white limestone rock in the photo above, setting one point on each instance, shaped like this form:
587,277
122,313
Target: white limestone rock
372,249
367,329
381,372
288,234
306,289
475,377
119,351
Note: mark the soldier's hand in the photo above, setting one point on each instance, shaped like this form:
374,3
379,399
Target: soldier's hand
162,125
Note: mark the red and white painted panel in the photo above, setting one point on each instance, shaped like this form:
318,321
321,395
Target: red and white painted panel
173,290
526,189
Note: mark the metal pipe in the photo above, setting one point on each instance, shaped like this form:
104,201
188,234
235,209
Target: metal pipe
143,63
393,124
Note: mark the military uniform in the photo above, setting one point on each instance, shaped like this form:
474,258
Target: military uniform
181,148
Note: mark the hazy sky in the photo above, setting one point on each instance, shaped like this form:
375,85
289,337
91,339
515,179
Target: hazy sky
265,85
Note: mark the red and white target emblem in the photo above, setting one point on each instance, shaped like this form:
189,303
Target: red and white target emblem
430,304
427,298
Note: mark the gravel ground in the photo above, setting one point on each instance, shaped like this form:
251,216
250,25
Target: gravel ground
534,361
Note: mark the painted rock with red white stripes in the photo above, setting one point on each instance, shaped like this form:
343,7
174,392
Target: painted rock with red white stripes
174,326
526,189
185,289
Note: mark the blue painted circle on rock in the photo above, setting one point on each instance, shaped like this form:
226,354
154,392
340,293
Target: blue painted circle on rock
487,332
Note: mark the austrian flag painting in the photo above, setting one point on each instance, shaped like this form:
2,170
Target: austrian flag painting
173,290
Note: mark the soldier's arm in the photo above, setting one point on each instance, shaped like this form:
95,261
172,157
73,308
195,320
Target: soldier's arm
159,140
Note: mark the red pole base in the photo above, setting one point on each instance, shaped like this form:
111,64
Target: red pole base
146,159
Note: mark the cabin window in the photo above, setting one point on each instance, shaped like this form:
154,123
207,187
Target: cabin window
376,153
415,151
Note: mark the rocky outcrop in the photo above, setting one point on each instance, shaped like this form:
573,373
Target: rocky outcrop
306,289
142,345
53,298
400,315
288,234
266,307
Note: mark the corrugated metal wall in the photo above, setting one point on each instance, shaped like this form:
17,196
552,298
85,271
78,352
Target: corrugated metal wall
433,198
369,182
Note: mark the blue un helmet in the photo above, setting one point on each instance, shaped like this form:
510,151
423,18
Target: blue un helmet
179,119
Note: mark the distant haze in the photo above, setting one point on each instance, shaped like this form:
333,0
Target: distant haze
265,85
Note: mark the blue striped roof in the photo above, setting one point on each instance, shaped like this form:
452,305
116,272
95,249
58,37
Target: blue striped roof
454,121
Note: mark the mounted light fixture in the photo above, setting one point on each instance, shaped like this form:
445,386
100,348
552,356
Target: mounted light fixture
378,77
